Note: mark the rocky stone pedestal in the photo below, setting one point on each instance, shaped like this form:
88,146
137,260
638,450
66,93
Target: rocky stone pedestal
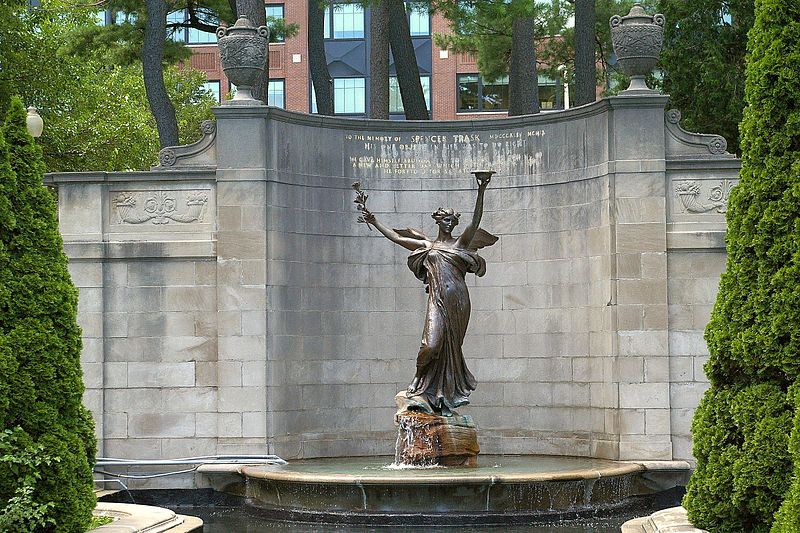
425,439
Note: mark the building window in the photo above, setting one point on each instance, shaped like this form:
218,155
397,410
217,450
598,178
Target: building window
419,21
177,34
196,36
349,95
549,97
346,20
189,35
276,93
396,100
476,95
275,12
101,18
212,86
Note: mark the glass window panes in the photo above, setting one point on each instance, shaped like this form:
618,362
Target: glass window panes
396,100
201,37
475,94
120,17
212,86
349,95
418,21
495,95
274,11
276,92
469,92
327,31
348,21
176,34
548,94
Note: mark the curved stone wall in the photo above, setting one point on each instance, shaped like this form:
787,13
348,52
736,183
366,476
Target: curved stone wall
346,314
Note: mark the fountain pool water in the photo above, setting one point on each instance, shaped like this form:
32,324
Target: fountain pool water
501,490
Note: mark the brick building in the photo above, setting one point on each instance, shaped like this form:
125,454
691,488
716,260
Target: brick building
454,88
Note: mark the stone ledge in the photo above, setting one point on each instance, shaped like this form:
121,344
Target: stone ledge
673,520
695,240
87,250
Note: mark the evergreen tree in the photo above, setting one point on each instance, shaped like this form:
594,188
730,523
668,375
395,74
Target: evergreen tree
741,427
703,62
45,426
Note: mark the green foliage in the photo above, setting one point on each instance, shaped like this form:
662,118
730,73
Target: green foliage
703,63
787,519
740,442
96,113
38,328
21,463
740,437
98,521
484,30
120,43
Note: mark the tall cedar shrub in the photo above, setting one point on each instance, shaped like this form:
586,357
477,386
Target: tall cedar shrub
8,365
787,519
742,425
39,325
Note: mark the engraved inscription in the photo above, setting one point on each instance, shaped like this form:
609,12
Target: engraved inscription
690,192
505,151
160,207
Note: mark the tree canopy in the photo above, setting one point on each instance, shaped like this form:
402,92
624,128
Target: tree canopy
95,111
703,63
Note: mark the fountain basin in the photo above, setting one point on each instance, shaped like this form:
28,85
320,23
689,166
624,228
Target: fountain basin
503,489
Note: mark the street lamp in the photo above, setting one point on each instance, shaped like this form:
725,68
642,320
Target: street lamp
34,122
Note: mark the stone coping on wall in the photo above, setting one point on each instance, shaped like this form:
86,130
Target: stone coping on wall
294,117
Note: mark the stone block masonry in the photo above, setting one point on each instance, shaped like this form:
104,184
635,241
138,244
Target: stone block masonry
231,304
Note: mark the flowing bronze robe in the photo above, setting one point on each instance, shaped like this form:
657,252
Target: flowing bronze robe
444,379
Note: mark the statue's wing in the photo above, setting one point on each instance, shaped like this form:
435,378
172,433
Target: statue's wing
482,239
411,233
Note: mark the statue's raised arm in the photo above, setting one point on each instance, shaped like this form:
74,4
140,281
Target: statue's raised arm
483,178
409,239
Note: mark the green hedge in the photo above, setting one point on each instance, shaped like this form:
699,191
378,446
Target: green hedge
787,520
742,425
51,444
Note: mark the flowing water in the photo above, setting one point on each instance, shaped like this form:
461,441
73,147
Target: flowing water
235,520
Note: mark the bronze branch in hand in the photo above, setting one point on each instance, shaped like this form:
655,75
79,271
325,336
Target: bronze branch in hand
366,215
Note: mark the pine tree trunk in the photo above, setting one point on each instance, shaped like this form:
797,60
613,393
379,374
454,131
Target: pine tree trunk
317,62
152,67
585,58
523,82
379,61
257,15
405,62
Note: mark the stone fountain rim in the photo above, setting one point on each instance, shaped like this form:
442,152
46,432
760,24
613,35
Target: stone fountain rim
459,476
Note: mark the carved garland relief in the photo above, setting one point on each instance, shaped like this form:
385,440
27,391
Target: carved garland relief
160,207
689,193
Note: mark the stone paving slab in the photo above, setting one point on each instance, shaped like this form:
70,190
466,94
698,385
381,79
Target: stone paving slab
132,518
672,520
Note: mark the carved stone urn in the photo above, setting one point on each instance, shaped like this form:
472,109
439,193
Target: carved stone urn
243,52
637,39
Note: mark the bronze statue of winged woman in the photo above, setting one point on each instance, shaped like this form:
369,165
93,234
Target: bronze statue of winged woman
442,381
